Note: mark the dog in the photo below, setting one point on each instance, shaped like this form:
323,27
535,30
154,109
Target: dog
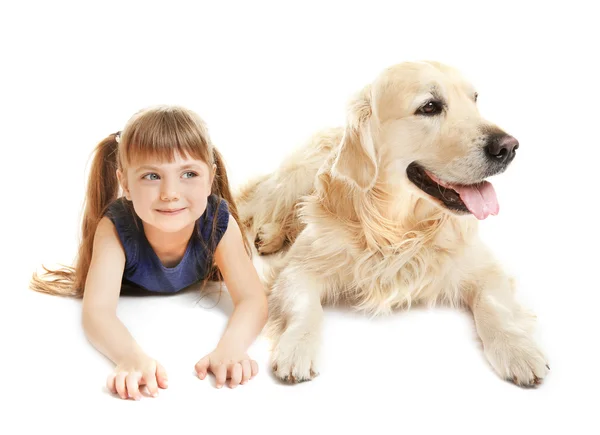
383,213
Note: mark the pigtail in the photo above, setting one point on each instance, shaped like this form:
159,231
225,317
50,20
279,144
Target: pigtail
102,189
222,185
221,189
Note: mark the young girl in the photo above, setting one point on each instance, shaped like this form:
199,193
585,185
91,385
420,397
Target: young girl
174,225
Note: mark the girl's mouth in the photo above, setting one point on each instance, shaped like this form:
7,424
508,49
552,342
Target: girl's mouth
171,212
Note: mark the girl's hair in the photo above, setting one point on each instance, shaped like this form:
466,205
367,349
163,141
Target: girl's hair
155,133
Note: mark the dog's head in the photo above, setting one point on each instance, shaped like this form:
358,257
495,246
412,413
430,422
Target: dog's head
418,124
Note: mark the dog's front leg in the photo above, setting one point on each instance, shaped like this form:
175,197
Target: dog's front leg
295,304
505,328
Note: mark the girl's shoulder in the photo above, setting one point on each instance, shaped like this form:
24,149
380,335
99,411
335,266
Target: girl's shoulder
122,214
128,226
119,208
213,223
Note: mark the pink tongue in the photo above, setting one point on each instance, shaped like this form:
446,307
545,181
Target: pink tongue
480,199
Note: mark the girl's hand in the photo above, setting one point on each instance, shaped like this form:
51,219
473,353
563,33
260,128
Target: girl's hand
226,365
134,372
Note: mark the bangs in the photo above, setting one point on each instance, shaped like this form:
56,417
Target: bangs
163,133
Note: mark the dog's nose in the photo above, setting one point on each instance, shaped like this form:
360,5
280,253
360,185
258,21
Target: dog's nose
502,149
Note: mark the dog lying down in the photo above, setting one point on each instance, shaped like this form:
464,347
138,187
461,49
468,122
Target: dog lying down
382,213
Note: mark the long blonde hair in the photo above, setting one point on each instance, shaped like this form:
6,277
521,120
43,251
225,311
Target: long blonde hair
160,133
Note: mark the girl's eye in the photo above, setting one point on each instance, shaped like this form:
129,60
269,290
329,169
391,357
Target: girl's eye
151,176
189,174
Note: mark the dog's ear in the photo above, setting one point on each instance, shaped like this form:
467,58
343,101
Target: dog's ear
356,160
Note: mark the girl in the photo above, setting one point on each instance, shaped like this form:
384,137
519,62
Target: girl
174,225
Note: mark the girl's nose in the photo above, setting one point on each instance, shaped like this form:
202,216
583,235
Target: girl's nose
169,196
169,189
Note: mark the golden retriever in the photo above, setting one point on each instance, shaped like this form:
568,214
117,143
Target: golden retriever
383,212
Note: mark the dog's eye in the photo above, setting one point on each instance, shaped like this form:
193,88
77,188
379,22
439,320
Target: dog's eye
430,108
475,96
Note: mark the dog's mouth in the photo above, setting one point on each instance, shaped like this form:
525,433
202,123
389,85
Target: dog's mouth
478,199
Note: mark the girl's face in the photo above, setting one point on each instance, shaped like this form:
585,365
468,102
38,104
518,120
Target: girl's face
168,196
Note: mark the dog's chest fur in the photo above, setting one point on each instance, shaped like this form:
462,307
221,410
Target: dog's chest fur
420,266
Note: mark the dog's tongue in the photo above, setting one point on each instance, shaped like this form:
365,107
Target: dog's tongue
480,199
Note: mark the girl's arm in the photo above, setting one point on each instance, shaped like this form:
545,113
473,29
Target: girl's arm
247,292
102,288
103,328
249,315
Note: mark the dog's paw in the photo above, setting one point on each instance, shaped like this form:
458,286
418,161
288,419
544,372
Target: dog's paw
269,239
519,360
293,361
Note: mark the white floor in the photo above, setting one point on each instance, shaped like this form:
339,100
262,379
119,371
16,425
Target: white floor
264,78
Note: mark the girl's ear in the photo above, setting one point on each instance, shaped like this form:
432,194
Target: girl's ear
123,182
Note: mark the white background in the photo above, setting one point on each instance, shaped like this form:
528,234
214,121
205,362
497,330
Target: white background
264,76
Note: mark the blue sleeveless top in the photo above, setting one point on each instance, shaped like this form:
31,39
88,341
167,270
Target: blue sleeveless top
143,267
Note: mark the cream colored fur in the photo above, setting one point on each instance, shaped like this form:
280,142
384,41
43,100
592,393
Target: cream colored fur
344,223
